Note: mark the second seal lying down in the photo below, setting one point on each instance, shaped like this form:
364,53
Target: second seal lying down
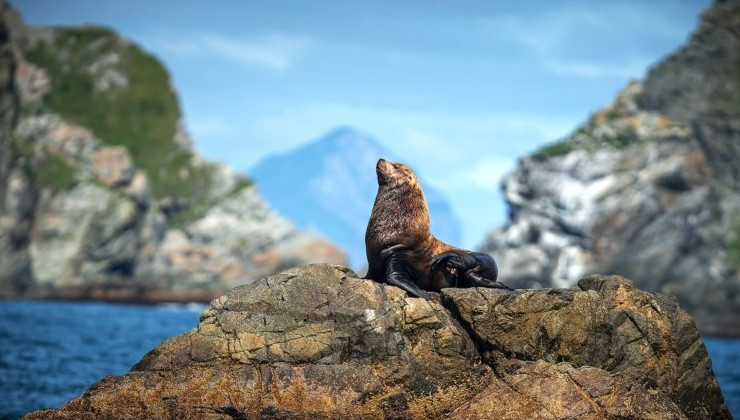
402,252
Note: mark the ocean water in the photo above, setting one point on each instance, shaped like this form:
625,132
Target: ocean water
725,354
50,352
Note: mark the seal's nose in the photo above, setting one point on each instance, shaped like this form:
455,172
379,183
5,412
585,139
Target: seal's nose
383,169
382,163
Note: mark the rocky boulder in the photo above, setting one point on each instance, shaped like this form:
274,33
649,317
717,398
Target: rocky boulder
317,342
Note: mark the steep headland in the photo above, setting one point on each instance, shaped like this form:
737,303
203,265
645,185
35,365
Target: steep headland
647,187
102,194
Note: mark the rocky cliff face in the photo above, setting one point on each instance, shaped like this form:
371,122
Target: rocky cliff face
316,342
102,194
16,198
647,187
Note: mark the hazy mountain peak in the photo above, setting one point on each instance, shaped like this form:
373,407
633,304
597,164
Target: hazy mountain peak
345,134
328,185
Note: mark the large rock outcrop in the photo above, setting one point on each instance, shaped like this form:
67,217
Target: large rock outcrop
102,195
646,188
317,342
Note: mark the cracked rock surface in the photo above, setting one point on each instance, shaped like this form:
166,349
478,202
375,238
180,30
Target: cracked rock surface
317,342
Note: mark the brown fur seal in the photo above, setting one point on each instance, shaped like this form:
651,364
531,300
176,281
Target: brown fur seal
400,248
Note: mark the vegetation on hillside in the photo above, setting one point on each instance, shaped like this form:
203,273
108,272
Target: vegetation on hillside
199,209
551,150
55,172
141,113
733,247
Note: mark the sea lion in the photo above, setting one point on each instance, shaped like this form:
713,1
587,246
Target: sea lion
401,250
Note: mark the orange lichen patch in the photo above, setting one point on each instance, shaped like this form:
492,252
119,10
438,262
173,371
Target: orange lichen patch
602,117
664,122
442,403
622,297
301,400
490,405
635,122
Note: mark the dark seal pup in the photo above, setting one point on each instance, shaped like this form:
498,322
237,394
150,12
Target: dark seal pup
402,252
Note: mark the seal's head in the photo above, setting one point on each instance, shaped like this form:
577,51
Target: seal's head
394,174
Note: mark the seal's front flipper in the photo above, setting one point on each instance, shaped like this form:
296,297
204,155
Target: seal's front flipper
475,279
397,273
454,259
476,269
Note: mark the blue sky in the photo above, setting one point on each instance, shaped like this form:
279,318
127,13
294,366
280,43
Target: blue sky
461,89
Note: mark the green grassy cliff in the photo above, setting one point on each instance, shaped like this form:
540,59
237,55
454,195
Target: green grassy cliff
124,95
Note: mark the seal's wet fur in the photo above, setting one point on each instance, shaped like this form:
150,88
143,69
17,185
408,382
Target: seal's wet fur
401,249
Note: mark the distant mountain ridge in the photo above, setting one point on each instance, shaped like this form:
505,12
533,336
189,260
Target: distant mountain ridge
328,186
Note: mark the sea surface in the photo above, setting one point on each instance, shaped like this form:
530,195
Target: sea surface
50,352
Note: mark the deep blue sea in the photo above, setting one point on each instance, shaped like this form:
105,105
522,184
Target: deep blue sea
50,352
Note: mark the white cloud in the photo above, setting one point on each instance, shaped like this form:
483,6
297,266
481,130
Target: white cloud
464,155
484,173
592,70
203,128
436,135
184,47
454,149
438,142
473,191
419,139
275,51
579,42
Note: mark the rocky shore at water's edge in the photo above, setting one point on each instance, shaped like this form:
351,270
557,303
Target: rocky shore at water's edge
317,342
